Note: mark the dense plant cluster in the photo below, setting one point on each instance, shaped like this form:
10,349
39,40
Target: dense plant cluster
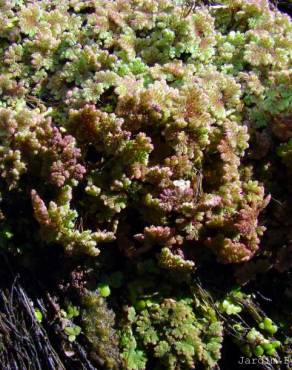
177,333
149,128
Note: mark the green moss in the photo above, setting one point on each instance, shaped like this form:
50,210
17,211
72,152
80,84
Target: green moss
97,322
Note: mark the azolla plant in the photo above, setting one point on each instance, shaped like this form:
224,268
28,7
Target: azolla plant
133,127
139,110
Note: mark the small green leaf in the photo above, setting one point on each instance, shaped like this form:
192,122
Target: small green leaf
72,311
104,290
77,330
38,315
69,330
259,351
71,338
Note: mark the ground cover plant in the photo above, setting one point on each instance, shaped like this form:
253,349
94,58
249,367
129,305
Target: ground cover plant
145,182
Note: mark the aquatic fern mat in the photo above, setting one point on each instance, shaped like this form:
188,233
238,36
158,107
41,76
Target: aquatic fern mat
145,184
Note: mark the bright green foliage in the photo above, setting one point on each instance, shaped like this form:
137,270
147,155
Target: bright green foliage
176,333
256,339
231,303
230,308
260,344
268,326
38,315
70,312
72,332
67,319
104,290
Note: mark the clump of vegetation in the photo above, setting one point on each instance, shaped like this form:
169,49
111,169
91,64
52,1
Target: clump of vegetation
176,333
150,130
141,116
252,331
98,325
